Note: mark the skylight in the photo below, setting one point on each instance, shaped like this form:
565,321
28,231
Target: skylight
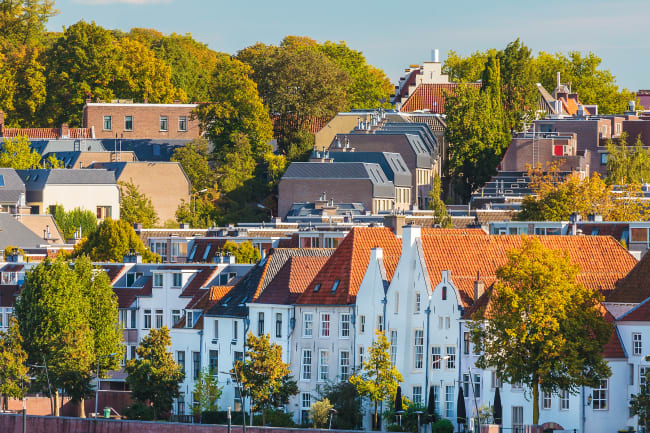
2,180
335,286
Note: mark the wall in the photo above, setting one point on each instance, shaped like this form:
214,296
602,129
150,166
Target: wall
146,120
10,423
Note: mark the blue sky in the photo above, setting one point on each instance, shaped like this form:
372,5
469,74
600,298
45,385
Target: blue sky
394,34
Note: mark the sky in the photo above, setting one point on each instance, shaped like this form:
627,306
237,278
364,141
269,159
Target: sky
394,34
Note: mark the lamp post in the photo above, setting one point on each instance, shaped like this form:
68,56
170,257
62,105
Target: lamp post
194,198
418,413
235,378
332,413
49,388
229,421
98,380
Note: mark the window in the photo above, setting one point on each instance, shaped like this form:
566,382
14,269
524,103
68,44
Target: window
308,324
603,158
335,285
418,342
466,342
436,397
466,384
180,404
160,248
316,287
324,325
180,360
546,400
396,302
477,385
196,364
642,375
305,406
362,324
447,322
176,317
306,364
278,325
345,325
182,123
164,123
639,234
127,318
360,356
637,344
393,347
108,123
600,396
496,380
418,302
435,357
179,249
323,365
235,330
451,360
444,293
449,401
213,362
260,323
215,329
128,123
380,323
104,212
158,280
147,319
159,319
417,394
237,399
564,400
517,419
344,365
177,280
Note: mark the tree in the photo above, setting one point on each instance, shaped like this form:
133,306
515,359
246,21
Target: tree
13,359
23,22
378,378
136,207
542,328
206,392
627,163
17,153
244,252
520,92
194,158
199,212
112,241
640,405
263,375
237,165
154,377
320,412
440,216
347,403
468,69
70,222
53,315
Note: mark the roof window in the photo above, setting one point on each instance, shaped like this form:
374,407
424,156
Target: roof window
317,287
335,286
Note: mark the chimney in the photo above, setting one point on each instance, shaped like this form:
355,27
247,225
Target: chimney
436,56
558,80
376,254
137,227
479,287
132,257
410,233
65,131
395,223
184,226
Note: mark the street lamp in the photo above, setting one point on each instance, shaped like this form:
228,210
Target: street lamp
49,388
419,412
235,378
332,413
98,380
194,197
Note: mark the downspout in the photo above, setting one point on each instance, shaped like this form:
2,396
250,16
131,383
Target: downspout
383,317
353,317
426,359
582,409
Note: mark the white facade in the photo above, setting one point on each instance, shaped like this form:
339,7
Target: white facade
93,197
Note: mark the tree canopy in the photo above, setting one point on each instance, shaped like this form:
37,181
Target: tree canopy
136,207
541,327
70,222
112,241
194,157
13,358
627,164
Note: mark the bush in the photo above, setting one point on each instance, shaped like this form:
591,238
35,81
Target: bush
221,417
139,411
394,427
443,426
275,418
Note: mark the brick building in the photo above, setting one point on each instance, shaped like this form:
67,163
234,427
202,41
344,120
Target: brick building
141,121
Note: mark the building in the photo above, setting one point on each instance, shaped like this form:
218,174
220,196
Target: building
93,190
165,183
130,120
84,159
64,132
12,191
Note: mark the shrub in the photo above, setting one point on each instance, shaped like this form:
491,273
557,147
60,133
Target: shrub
221,417
443,426
394,427
275,418
139,411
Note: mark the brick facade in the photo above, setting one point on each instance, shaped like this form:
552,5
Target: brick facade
145,120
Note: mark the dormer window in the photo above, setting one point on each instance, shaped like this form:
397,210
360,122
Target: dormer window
191,317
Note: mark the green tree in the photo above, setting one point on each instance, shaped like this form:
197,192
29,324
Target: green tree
13,359
206,392
263,374
320,412
53,315
347,403
23,22
199,212
17,153
194,158
136,207
112,241
237,165
440,216
154,377
378,378
542,328
244,252
518,76
465,69
71,222
627,163
640,405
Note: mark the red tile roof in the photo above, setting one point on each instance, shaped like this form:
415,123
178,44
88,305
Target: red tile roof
348,265
431,97
640,313
126,296
45,132
635,287
314,124
207,298
292,280
613,348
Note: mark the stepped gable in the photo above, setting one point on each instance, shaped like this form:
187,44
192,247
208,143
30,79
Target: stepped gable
635,287
602,260
348,265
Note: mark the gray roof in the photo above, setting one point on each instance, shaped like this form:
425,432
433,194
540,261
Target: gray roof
11,187
422,130
45,146
301,210
391,163
146,149
402,143
37,179
14,233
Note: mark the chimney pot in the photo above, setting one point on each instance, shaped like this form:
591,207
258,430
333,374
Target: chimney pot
479,289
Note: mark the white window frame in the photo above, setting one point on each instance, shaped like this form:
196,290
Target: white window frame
564,400
323,365
436,355
362,324
393,346
344,365
307,325
182,120
158,280
637,344
344,325
164,120
451,360
418,349
418,302
547,400
600,396
305,368
325,325
416,394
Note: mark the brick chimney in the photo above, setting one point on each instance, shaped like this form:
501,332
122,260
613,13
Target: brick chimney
395,223
65,131
479,287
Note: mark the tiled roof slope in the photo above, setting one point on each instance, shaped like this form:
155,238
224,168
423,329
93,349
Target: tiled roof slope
126,296
348,265
208,298
431,97
640,313
45,132
602,260
635,287
613,348
292,280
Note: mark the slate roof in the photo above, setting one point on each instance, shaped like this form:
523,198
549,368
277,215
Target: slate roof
401,143
348,265
127,295
431,97
635,287
391,163
145,149
14,233
37,179
421,129
305,210
12,186
45,146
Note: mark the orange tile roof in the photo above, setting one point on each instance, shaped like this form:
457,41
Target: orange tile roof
602,260
431,97
635,287
45,132
208,297
314,124
292,280
640,313
348,265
